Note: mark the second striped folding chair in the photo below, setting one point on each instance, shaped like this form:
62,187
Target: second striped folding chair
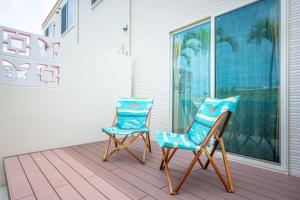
131,121
211,121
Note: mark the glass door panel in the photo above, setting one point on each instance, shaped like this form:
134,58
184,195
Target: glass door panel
247,64
191,73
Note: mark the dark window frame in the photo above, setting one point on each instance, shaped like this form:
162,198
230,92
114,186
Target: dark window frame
66,23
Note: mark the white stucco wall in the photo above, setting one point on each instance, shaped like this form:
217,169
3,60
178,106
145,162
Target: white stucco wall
38,118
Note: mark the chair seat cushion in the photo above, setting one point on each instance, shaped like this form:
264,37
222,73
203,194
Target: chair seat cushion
175,140
118,131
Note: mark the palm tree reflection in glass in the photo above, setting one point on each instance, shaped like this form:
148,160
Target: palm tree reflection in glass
194,44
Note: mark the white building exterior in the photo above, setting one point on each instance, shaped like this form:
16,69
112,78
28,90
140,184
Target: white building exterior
100,24
147,41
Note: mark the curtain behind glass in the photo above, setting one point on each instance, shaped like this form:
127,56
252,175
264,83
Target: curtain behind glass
247,64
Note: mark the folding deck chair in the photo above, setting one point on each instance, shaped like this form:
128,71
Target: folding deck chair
211,121
131,121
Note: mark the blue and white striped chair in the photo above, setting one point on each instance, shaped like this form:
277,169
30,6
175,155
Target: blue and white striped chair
132,118
210,122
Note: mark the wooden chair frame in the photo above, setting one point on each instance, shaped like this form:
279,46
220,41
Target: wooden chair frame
167,155
120,143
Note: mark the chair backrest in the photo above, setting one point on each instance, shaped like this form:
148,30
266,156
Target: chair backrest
132,113
207,116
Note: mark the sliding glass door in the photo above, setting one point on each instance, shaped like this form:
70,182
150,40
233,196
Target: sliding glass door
191,72
247,63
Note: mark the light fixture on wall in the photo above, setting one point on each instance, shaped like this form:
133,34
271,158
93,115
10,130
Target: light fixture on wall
125,27
122,50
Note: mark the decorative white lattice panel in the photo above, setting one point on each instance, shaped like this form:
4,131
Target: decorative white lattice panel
28,59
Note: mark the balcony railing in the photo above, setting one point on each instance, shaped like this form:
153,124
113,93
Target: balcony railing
28,59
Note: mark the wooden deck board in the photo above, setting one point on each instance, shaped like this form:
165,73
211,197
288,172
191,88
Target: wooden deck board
31,197
115,180
78,173
78,182
18,186
148,198
40,185
50,172
68,192
62,187
107,189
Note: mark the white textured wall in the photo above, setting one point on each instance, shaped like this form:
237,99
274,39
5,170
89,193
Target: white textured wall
102,25
37,118
294,87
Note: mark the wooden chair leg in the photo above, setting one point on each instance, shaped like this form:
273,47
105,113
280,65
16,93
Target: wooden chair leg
146,144
216,143
123,140
162,167
211,153
213,163
111,153
149,143
133,155
116,144
227,168
166,157
106,154
199,161
187,172
170,157
134,138
106,150
166,152
145,139
120,144
145,149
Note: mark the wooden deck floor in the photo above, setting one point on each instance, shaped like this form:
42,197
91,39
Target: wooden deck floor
79,173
